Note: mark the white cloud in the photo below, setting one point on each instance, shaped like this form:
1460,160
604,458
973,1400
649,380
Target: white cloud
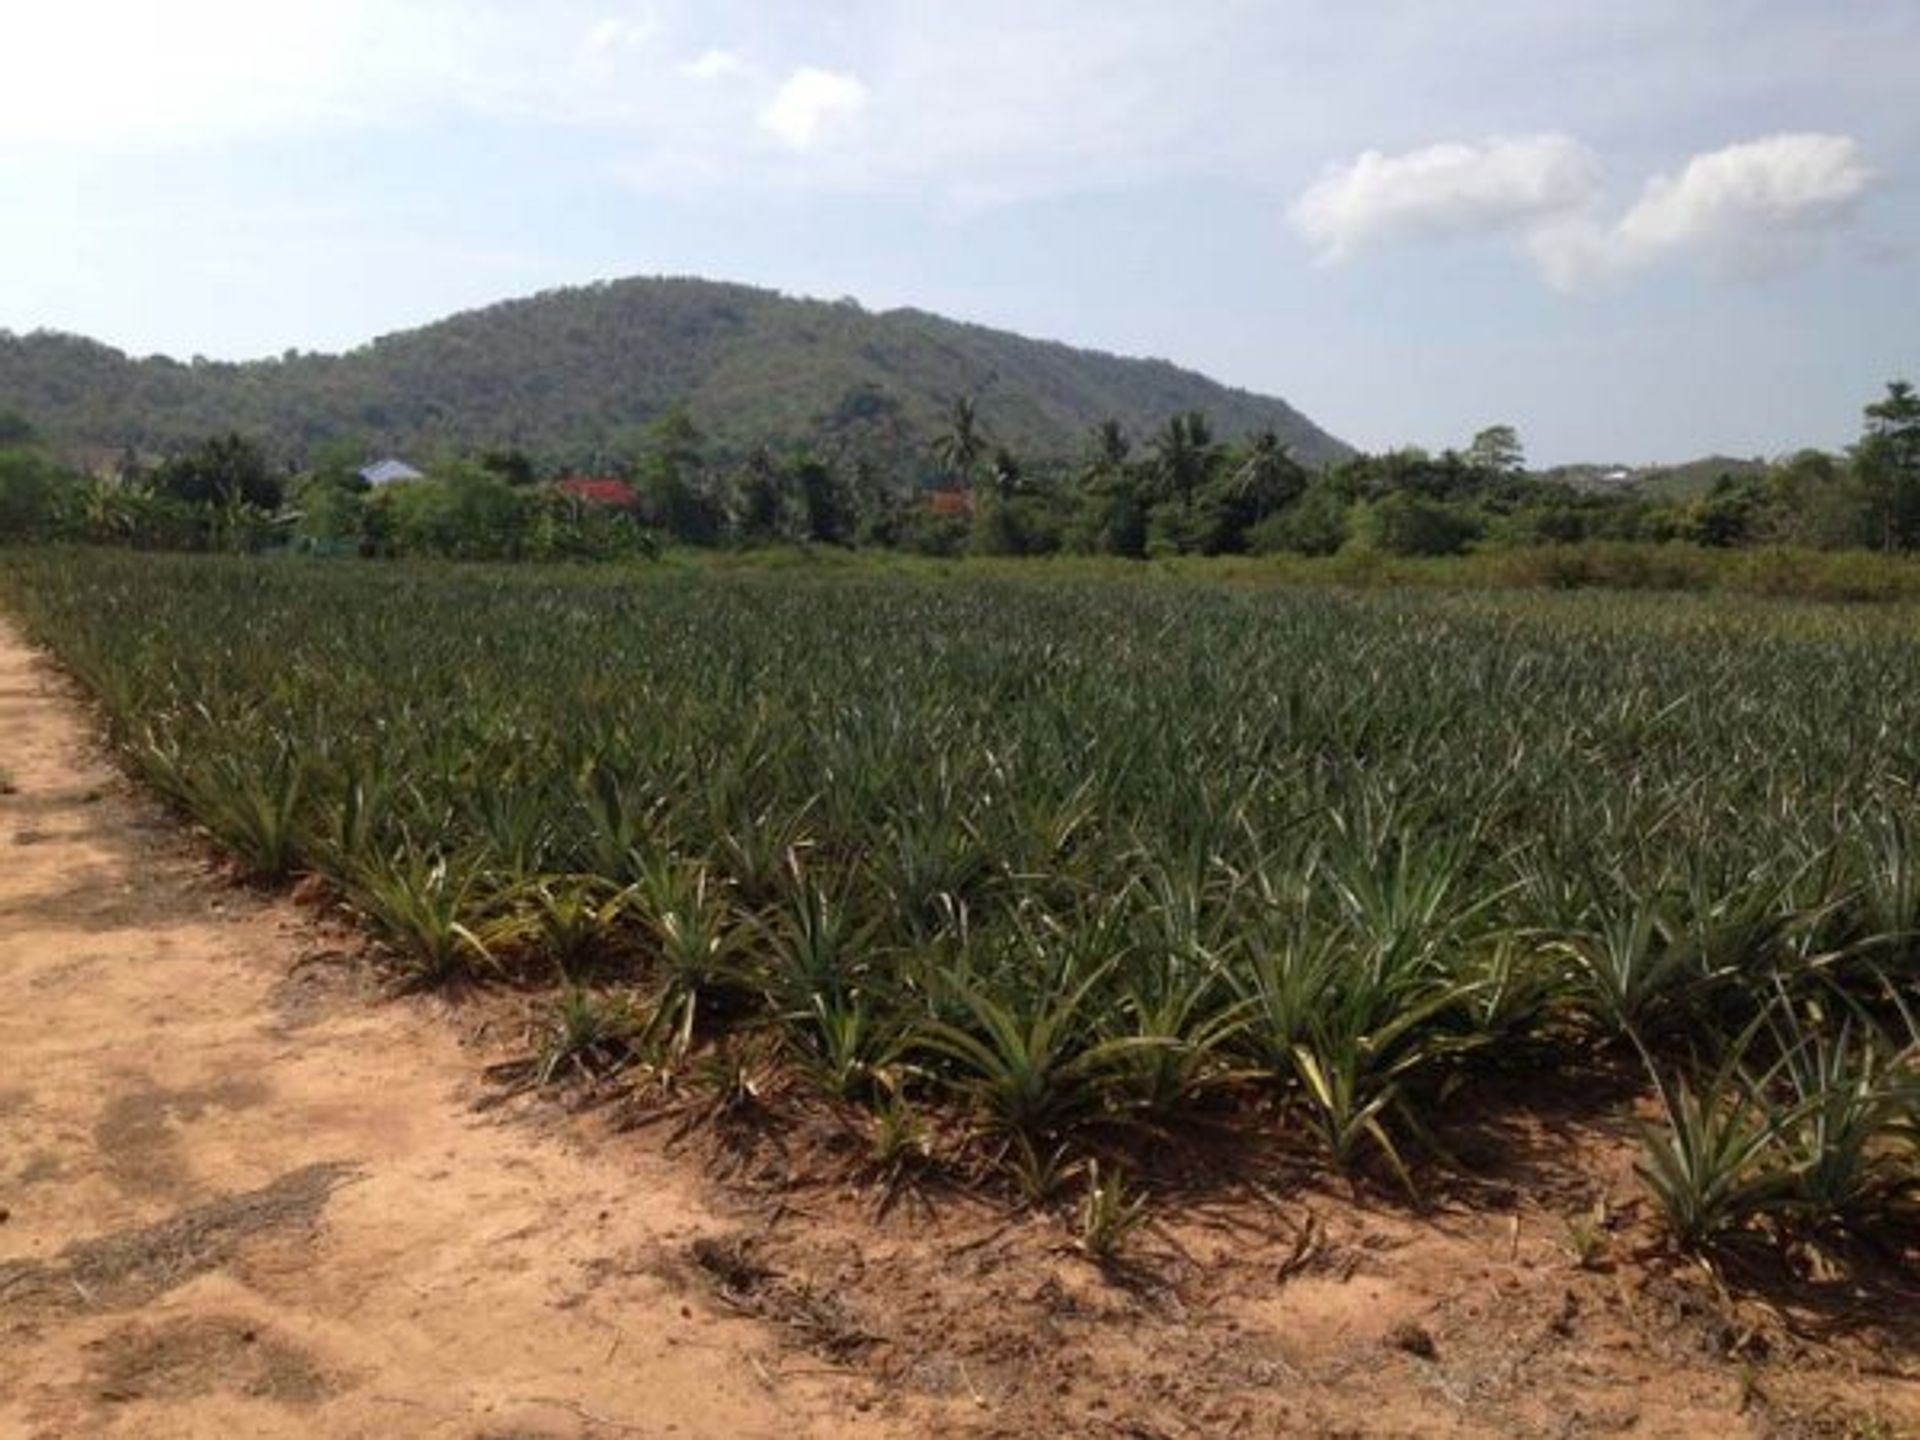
714,65
1749,209
1445,189
811,104
996,102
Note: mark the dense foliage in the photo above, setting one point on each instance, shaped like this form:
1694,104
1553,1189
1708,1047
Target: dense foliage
573,376
1180,492
1083,858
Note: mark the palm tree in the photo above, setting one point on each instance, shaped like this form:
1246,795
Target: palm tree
1112,509
965,440
1267,479
1107,452
1005,473
1184,454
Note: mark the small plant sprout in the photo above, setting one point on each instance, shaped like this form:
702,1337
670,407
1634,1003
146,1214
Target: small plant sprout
1110,1212
587,1033
1586,1238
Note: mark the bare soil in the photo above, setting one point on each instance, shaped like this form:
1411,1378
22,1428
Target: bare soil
243,1192
245,1189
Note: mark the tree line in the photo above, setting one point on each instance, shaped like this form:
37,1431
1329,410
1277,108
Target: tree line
1180,490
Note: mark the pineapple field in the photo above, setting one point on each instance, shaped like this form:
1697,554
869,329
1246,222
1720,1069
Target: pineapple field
1018,873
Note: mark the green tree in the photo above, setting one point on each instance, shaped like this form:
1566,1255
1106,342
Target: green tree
1184,455
110,509
1497,451
993,529
1266,477
1727,515
329,499
35,495
329,511
679,496
1887,460
1817,499
825,502
1112,511
1261,480
222,471
768,507
1184,461
1004,476
1406,523
512,465
960,446
881,506
463,511
1316,524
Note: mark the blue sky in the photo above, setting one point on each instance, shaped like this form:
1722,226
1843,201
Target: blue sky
1636,230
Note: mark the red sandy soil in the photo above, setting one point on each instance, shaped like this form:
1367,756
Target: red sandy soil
243,1195
244,1190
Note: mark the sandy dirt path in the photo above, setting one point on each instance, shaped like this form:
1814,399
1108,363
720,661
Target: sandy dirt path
234,1201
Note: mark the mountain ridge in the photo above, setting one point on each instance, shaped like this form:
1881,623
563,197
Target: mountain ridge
574,374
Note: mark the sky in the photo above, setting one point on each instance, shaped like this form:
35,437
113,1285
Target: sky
1636,230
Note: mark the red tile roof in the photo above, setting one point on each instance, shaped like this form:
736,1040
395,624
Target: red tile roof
597,489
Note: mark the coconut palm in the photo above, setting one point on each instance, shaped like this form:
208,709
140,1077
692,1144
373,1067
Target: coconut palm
960,447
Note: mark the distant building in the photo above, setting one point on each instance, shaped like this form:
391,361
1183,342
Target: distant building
950,502
389,472
598,490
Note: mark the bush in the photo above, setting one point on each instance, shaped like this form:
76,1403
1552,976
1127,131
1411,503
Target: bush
224,470
923,532
33,496
1404,523
464,513
1315,524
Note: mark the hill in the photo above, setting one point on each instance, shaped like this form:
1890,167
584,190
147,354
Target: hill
1684,481
1695,477
574,375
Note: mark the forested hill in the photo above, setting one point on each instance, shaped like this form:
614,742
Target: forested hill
572,376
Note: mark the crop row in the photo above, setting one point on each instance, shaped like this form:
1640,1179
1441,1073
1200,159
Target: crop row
1077,857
